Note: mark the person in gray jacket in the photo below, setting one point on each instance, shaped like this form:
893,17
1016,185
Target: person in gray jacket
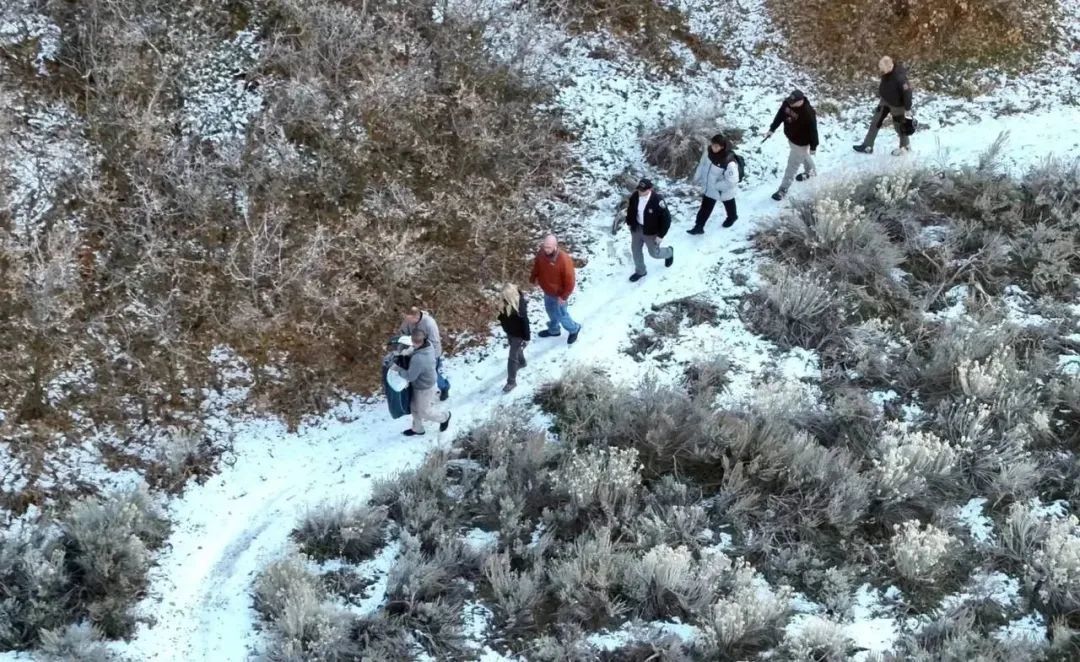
414,319
718,175
421,377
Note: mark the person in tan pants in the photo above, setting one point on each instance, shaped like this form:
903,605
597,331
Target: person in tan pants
421,377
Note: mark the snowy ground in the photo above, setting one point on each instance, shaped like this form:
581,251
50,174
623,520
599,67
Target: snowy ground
228,528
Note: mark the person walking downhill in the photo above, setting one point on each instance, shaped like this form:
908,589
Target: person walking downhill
553,271
894,94
421,377
800,128
413,319
718,174
514,319
649,219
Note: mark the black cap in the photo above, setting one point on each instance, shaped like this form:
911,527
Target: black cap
719,139
796,96
644,184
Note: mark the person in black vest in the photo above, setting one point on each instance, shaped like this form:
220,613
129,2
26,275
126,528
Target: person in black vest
514,319
649,219
800,128
894,93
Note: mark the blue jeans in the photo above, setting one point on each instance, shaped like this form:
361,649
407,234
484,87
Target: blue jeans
440,379
557,314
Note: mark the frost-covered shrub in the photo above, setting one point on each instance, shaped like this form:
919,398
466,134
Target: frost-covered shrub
817,639
284,580
667,582
108,542
78,643
986,380
748,618
677,147
585,579
671,525
908,461
582,402
339,530
308,629
418,576
795,308
35,593
708,376
1021,533
1055,565
921,554
517,593
600,477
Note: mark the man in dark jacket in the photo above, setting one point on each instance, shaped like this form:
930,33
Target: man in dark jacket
800,127
894,93
649,219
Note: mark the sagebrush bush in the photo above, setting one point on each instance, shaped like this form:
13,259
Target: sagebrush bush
75,643
284,580
795,308
921,553
518,594
1055,565
749,618
586,578
90,565
670,582
677,147
339,530
818,639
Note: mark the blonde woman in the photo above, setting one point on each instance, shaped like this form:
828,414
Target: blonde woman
514,319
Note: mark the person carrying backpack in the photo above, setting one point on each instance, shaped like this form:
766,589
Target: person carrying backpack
800,128
894,93
718,173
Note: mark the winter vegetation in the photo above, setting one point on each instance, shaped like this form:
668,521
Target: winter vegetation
65,584
843,429
757,527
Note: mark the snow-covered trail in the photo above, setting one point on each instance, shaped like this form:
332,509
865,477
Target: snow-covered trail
228,528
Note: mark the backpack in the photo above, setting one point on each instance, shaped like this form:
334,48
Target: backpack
741,162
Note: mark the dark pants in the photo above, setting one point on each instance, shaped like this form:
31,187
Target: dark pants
706,208
516,360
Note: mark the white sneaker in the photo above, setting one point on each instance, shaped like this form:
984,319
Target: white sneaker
900,151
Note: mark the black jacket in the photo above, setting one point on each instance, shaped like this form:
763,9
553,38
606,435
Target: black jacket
800,124
516,324
657,216
894,88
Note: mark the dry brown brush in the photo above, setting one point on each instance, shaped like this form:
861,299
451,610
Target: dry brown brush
386,162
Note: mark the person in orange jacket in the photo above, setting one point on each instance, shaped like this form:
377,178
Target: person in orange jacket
553,271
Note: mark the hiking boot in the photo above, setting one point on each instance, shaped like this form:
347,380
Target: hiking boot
803,176
549,334
573,337
778,196
510,386
864,149
696,230
900,151
671,259
412,433
636,277
728,222
445,424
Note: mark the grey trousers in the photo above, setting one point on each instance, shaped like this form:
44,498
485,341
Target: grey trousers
423,409
880,114
637,240
798,156
516,360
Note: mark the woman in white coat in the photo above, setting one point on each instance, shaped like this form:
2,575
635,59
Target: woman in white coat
718,175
